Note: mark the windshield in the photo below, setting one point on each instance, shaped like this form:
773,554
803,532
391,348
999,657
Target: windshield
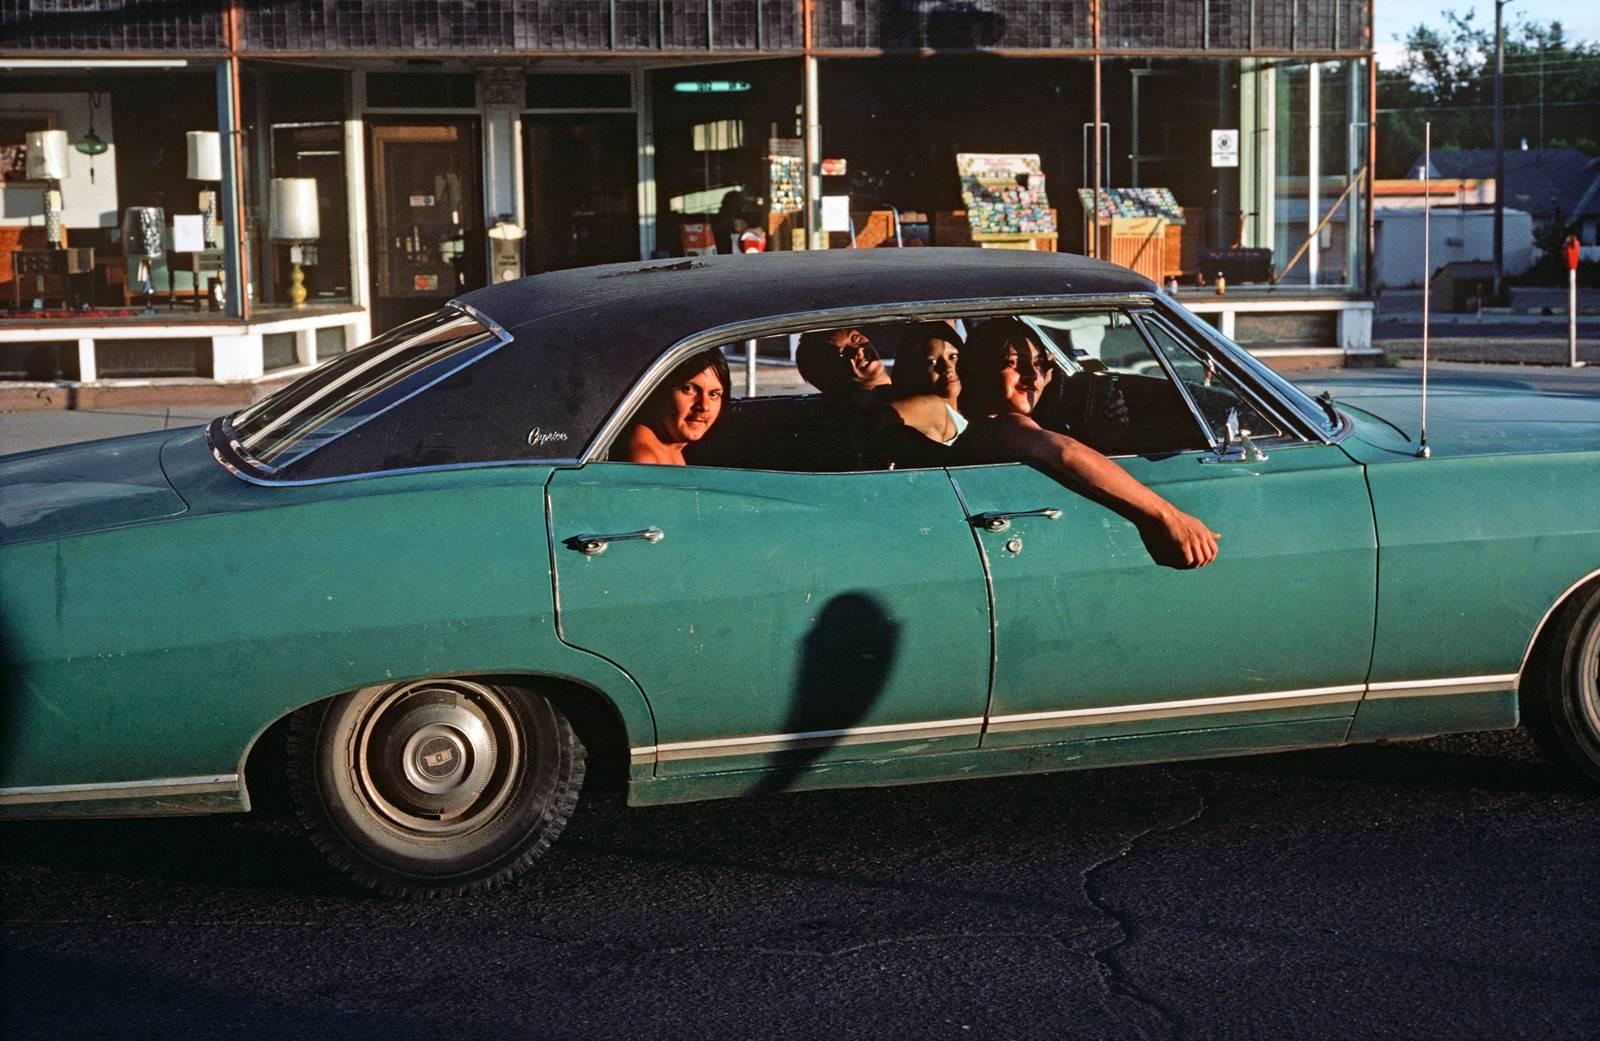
357,387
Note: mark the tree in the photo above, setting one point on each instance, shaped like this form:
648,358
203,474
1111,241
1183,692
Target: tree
1551,93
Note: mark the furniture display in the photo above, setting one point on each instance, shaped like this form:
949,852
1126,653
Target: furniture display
42,264
198,263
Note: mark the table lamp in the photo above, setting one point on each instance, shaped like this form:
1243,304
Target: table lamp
144,238
294,223
47,161
205,164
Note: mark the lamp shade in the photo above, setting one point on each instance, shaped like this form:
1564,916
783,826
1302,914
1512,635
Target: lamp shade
144,231
294,209
47,155
205,155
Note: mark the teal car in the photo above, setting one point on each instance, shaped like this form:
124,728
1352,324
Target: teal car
422,572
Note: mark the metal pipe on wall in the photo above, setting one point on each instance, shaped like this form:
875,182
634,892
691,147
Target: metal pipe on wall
1094,212
235,254
813,136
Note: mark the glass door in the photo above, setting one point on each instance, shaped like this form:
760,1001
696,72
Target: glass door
582,184
427,238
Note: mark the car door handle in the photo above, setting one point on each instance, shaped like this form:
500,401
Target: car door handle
1002,521
594,545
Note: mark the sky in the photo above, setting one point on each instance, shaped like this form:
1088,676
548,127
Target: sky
1394,18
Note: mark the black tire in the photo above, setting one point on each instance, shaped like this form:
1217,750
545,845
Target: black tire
1561,708
436,787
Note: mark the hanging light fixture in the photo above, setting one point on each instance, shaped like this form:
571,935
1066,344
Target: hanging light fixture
92,144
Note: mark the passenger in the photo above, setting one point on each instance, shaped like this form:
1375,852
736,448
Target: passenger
925,368
1000,371
680,411
846,367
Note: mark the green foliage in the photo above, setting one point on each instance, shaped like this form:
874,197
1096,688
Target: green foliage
1551,90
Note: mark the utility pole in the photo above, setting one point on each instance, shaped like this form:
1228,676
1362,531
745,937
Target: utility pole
1499,155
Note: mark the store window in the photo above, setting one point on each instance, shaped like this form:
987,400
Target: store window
110,199
727,155
297,194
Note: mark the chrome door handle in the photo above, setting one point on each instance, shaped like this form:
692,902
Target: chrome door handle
1002,521
594,545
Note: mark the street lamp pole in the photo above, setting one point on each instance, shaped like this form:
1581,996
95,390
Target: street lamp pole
1499,155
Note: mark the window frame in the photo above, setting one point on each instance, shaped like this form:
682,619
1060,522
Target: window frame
231,454
600,445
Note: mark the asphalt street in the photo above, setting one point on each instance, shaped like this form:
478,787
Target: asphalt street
1442,889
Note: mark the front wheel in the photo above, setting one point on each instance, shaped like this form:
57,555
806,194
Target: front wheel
1563,714
436,787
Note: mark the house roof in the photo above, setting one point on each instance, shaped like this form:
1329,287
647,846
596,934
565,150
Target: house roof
1542,181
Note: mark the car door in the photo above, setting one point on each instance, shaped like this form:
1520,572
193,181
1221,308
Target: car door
1094,639
776,620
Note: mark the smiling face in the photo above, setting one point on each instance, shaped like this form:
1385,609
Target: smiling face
689,409
858,359
1023,378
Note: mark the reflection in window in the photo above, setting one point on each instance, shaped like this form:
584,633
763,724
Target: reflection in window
1212,391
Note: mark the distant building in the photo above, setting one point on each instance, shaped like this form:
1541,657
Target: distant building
1461,229
1551,185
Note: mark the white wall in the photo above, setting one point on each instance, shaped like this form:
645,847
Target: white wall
85,204
1457,235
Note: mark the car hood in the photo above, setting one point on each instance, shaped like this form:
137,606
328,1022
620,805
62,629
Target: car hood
70,490
1467,417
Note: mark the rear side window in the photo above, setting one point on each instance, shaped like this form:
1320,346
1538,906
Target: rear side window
355,388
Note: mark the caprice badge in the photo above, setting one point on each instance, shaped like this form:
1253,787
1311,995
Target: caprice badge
537,437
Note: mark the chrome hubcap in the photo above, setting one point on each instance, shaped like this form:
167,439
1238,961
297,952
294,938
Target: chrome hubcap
1589,678
437,758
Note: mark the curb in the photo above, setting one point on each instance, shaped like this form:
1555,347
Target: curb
58,397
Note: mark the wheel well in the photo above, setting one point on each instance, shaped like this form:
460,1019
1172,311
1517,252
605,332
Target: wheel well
1538,652
591,714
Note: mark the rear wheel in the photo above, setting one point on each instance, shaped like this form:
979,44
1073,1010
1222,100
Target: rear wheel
436,787
1563,714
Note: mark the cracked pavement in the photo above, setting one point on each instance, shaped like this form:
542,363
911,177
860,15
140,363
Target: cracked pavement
1442,889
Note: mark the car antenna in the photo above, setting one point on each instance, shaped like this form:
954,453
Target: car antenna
1427,269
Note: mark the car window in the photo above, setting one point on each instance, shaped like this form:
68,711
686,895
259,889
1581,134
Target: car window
1112,391
1213,392
773,373
347,392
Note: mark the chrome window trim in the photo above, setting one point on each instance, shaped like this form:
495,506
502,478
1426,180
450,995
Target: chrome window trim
308,482
159,786
1066,363
219,429
1293,431
900,311
1242,364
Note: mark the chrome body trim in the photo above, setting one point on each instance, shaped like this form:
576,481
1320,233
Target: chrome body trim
764,743
1170,709
1434,688
155,788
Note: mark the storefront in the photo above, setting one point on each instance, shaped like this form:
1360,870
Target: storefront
355,165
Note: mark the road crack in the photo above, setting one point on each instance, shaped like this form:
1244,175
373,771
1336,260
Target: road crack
1118,983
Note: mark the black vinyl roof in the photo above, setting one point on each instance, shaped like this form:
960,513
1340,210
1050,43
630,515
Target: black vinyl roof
581,338
675,298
